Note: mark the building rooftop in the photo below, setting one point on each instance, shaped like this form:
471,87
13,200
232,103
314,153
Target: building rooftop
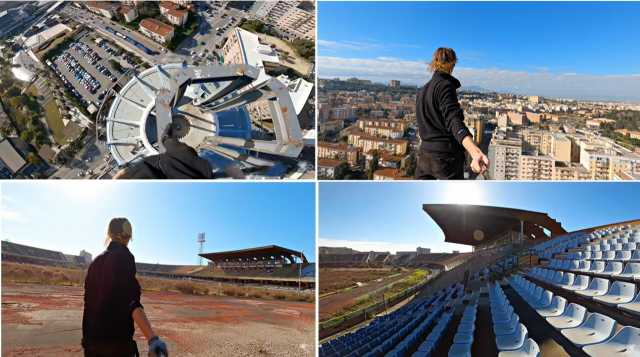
329,163
10,156
250,253
156,26
475,225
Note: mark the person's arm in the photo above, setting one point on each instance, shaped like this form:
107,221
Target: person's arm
479,161
143,323
133,292
454,120
452,112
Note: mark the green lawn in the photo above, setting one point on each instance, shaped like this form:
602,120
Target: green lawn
54,121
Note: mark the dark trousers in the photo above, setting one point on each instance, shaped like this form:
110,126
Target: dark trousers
440,166
111,349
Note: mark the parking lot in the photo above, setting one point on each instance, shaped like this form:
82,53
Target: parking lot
85,69
217,22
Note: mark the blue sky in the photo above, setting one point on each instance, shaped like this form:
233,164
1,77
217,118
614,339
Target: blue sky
548,48
166,217
389,216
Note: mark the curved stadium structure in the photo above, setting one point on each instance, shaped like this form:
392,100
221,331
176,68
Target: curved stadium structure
520,294
211,109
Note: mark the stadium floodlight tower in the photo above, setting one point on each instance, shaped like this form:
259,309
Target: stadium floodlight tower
209,108
201,241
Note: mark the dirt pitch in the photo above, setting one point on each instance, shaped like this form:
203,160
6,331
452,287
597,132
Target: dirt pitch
45,320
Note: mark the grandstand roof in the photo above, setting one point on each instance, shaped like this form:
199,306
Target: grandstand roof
475,225
254,252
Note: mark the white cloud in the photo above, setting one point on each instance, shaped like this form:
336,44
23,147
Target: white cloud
346,45
11,215
566,85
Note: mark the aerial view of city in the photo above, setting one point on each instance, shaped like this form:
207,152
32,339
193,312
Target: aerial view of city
540,104
93,90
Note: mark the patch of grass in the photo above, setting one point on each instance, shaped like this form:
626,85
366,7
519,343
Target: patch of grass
54,121
49,275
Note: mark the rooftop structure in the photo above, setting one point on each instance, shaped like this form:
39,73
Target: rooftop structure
46,35
253,255
157,30
480,225
208,105
10,157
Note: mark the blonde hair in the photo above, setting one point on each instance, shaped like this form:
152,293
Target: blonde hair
119,230
444,59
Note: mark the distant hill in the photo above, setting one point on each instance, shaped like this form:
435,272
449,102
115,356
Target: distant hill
476,89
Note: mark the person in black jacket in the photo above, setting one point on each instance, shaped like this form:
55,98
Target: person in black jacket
444,136
112,301
179,161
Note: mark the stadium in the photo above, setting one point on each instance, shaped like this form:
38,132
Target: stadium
222,307
528,288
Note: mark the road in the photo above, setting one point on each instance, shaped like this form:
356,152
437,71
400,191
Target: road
94,156
100,24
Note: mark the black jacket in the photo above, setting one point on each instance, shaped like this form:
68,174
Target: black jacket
440,118
111,293
180,161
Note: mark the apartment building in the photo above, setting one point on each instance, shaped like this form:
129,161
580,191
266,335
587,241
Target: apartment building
173,13
561,147
102,8
156,30
387,174
538,140
570,171
129,13
338,151
536,167
291,19
327,168
504,155
367,143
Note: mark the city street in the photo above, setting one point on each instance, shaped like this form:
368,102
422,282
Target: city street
100,24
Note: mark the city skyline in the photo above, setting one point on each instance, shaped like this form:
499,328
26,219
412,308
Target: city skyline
166,218
541,60
576,206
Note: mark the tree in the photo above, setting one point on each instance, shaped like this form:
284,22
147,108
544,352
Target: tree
33,159
411,165
341,171
27,135
115,65
305,48
373,164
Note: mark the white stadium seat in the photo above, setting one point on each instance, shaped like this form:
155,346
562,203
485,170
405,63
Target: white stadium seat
612,268
632,307
529,349
631,271
572,316
625,343
556,308
597,287
619,293
513,341
595,329
580,282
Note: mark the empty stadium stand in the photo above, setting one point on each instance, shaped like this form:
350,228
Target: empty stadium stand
576,294
19,253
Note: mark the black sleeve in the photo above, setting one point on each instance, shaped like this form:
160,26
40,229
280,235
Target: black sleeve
130,287
452,112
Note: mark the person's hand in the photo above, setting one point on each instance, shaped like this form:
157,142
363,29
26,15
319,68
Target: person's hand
157,348
479,162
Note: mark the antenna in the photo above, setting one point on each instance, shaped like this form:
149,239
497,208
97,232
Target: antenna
201,241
